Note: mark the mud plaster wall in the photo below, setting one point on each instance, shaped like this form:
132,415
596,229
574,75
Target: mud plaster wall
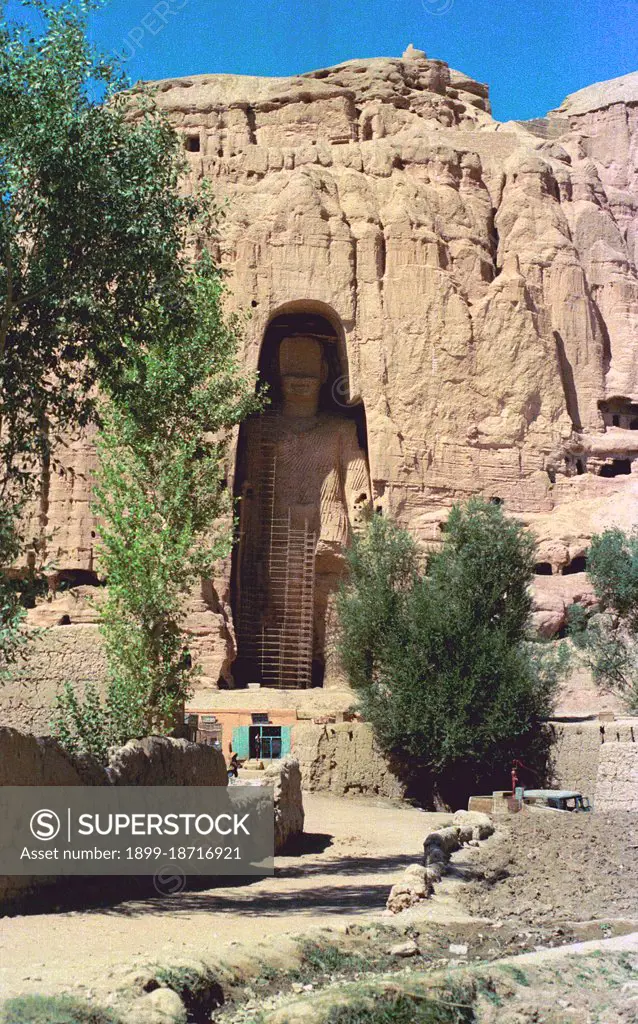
343,758
154,761
65,653
578,751
617,777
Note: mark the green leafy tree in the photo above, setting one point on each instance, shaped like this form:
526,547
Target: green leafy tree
608,637
93,260
383,565
12,613
165,518
441,659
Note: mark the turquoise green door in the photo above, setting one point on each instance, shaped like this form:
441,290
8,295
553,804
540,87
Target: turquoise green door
241,744
286,742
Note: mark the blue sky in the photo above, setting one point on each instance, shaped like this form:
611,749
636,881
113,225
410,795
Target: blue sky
531,53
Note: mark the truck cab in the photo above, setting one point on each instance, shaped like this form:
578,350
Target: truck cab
556,799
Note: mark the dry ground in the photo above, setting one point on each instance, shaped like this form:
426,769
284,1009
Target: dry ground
541,881
548,868
354,849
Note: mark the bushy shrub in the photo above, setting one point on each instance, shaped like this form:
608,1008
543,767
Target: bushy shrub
608,638
441,658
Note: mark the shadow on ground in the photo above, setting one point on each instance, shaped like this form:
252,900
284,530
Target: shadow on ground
128,896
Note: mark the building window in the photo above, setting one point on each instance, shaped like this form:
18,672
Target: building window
260,719
192,144
209,731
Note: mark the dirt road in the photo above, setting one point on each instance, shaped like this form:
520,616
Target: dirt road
354,850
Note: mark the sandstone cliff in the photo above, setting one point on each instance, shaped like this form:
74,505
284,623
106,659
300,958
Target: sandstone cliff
481,278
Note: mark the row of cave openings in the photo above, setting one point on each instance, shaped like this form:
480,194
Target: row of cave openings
619,413
576,565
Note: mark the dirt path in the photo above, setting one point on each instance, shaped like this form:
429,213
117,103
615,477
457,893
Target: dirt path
354,851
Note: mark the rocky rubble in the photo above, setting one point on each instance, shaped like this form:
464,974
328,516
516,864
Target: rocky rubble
418,880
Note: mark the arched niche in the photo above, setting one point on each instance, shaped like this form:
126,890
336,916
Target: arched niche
301,320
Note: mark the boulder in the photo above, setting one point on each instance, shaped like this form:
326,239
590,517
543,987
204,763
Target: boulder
404,949
163,1006
481,824
415,885
440,845
433,873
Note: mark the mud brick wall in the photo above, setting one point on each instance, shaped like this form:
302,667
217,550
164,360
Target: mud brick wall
617,777
66,653
578,751
155,761
344,758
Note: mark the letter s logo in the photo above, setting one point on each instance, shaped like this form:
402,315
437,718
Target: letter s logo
45,825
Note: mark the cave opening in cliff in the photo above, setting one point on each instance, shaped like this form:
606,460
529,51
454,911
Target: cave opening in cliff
543,569
302,483
69,579
193,144
577,564
618,467
574,463
619,412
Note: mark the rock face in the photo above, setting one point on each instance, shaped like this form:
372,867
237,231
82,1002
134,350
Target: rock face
479,278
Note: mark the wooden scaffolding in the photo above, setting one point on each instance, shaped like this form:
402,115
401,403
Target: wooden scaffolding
276,600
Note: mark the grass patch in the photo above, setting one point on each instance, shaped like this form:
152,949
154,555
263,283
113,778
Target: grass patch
485,987
199,990
403,1010
268,974
517,974
318,960
53,1010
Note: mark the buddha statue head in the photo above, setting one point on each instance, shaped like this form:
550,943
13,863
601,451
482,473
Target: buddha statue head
302,370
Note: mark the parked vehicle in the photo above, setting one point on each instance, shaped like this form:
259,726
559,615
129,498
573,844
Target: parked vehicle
556,799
